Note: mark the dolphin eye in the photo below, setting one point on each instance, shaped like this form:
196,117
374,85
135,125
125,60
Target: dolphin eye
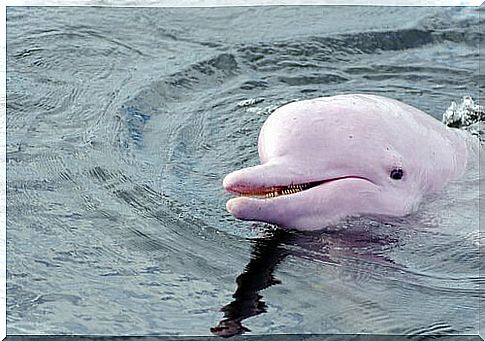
396,174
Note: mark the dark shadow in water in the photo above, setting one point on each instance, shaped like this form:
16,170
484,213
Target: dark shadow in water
269,252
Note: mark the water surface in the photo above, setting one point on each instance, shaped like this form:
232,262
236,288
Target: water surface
121,124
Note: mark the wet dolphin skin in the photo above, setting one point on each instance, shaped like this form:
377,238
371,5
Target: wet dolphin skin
333,157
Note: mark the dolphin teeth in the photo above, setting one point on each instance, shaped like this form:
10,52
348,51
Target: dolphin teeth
276,191
271,194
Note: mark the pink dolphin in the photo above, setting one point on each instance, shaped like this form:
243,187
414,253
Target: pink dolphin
333,157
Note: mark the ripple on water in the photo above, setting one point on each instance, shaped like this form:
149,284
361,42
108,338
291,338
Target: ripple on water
118,142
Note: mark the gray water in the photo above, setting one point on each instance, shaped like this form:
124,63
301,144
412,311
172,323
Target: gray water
121,124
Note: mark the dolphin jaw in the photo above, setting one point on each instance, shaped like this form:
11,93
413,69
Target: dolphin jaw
269,192
293,210
272,191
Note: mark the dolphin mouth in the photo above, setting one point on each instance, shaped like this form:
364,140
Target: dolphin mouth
280,190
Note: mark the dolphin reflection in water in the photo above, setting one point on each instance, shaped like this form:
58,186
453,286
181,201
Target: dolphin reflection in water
267,253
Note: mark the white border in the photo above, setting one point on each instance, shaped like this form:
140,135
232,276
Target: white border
140,3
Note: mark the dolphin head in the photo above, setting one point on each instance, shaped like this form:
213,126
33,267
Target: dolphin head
333,157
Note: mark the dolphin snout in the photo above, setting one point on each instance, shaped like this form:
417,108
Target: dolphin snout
229,181
234,182
251,179
247,179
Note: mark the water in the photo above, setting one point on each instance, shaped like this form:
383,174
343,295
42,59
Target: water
121,124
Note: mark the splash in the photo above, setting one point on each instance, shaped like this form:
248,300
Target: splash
468,115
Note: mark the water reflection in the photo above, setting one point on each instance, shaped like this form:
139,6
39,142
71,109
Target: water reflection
269,252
